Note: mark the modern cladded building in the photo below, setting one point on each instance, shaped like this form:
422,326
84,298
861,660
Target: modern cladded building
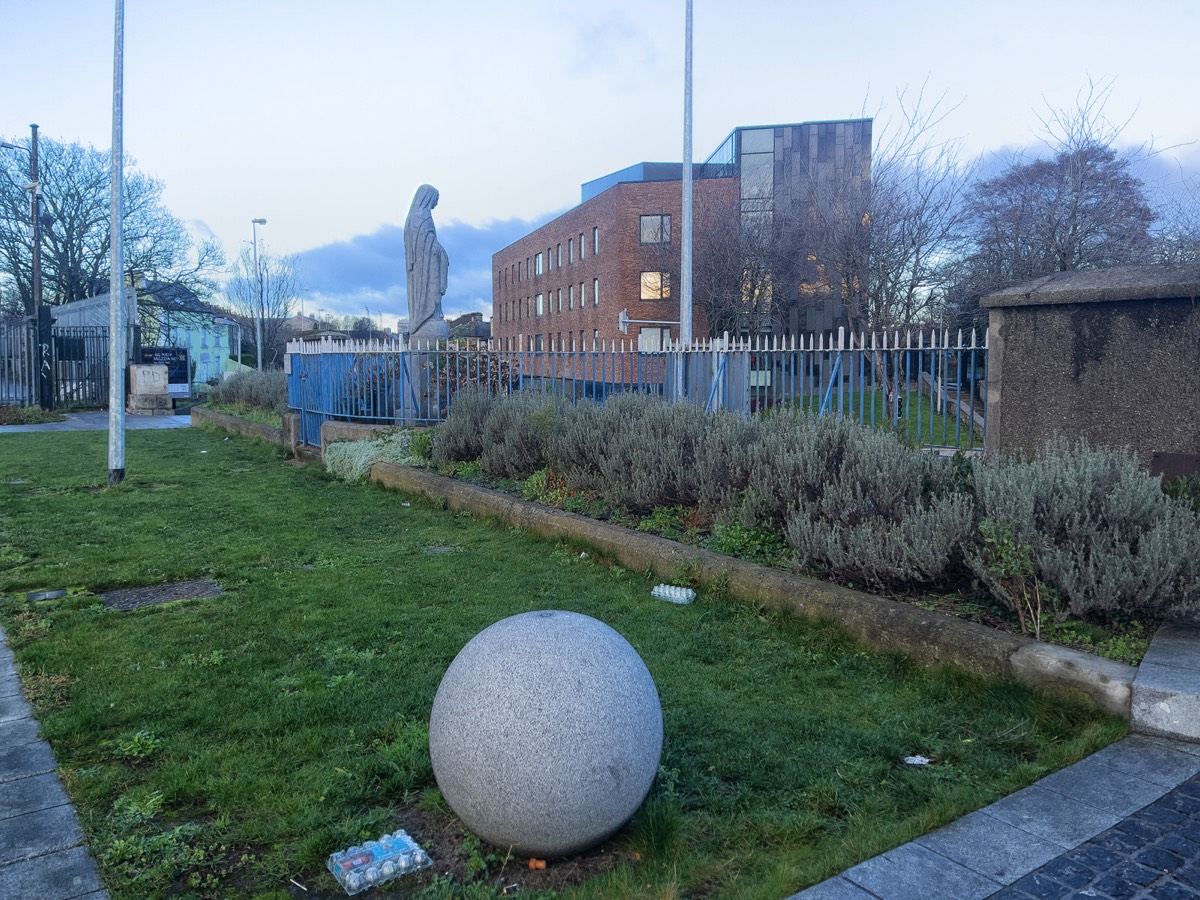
565,285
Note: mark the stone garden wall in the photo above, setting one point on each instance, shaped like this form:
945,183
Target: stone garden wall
1112,356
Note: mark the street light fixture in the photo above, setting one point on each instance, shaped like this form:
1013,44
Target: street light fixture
258,313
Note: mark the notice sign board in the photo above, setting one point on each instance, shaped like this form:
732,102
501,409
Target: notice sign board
179,375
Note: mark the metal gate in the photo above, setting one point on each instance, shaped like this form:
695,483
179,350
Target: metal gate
68,369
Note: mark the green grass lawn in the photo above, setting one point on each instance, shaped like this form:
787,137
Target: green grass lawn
224,747
921,422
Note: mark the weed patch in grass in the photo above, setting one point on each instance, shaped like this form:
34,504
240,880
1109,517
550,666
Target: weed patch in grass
28,415
221,747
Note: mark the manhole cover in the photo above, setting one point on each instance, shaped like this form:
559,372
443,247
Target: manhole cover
134,598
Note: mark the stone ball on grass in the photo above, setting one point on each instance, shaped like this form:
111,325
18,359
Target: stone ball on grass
546,733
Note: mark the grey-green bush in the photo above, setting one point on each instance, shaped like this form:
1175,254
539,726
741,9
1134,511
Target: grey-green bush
352,460
516,430
264,390
460,437
1102,533
865,507
636,451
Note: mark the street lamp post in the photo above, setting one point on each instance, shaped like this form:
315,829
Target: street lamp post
258,311
42,321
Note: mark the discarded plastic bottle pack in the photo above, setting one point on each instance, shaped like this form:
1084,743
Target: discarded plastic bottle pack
673,593
376,862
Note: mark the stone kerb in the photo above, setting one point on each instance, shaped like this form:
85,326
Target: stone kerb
272,435
287,435
930,638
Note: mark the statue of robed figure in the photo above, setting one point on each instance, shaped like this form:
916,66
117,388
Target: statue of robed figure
427,269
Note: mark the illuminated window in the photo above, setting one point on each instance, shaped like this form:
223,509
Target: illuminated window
656,285
571,297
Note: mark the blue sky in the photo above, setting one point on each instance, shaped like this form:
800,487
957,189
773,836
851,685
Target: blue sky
324,117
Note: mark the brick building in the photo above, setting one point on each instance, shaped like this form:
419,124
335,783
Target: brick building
564,286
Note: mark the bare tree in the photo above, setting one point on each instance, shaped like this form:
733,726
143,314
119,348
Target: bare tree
75,182
1081,207
267,296
1176,233
887,246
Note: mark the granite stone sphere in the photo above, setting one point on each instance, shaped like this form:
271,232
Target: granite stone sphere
546,733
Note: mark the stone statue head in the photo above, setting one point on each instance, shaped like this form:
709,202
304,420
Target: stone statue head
426,199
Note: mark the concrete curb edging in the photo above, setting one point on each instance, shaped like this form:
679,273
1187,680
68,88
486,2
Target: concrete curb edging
928,637
287,435
272,435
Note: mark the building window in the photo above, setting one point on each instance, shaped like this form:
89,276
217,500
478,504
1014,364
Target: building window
595,338
549,260
558,342
559,303
538,304
581,246
560,256
595,292
651,340
537,264
582,345
570,250
537,343
656,285
596,240
571,296
581,295
656,229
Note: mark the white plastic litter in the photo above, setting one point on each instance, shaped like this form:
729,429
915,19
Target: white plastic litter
673,593
917,760
376,862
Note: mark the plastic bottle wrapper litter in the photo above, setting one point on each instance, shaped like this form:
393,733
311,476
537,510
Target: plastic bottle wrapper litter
376,862
673,593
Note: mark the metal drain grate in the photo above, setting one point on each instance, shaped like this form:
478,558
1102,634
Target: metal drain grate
135,598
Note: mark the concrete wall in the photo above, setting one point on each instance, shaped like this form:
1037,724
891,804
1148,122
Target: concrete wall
1111,356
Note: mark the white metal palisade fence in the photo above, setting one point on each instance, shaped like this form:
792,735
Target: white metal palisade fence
930,384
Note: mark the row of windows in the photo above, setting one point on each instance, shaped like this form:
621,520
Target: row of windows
539,342
654,286
539,263
544,304
649,339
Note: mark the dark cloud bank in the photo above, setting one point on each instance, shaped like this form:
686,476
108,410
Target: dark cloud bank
369,269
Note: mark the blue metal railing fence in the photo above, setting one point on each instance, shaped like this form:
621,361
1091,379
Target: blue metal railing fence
929,385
